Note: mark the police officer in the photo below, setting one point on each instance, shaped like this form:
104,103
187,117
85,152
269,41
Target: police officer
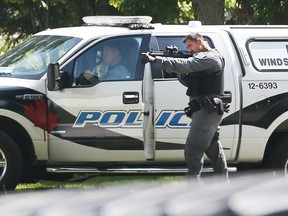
202,74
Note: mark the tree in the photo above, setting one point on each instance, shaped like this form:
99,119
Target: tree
262,12
175,11
21,18
162,11
209,11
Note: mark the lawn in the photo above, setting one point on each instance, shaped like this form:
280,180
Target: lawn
102,181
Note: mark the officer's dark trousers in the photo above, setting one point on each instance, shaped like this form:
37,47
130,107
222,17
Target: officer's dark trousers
200,140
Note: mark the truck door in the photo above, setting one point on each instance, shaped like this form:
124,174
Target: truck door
171,123
100,118
149,136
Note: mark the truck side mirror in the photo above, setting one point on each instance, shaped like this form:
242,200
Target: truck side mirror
53,77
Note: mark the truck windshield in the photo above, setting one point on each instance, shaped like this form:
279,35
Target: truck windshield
31,58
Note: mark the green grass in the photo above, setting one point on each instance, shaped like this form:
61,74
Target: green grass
87,182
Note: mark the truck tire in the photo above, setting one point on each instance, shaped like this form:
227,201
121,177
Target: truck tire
11,163
277,155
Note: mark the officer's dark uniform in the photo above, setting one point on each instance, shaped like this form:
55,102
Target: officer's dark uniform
203,76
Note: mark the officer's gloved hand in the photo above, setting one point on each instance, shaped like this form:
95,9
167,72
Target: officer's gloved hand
147,58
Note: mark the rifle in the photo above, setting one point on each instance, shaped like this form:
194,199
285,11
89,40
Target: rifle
171,51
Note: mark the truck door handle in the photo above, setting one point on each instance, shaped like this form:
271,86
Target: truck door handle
130,97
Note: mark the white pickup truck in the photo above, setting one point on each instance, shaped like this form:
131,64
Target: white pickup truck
51,119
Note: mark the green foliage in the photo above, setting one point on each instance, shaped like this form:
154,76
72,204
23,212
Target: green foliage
116,3
20,19
186,12
163,11
260,12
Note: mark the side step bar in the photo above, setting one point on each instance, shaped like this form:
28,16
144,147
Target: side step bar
93,170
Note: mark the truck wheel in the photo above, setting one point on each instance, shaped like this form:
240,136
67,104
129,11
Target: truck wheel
11,163
277,155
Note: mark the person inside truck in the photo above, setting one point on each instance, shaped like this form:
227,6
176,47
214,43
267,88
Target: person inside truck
112,67
85,65
203,76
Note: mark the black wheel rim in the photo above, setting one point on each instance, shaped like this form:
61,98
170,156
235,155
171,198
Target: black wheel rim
3,164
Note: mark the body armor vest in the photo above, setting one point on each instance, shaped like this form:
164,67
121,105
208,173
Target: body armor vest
201,83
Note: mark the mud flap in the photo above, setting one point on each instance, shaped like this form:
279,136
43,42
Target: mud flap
148,114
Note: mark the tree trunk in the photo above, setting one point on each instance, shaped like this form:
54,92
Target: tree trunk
280,18
209,12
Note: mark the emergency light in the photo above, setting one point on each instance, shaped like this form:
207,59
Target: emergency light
116,20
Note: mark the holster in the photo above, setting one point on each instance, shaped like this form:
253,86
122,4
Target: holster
214,104
208,104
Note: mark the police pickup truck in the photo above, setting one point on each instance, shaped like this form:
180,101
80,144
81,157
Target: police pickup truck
52,117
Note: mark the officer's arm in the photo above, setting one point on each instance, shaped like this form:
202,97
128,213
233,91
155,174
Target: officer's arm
189,65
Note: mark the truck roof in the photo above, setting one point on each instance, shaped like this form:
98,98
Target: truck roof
90,30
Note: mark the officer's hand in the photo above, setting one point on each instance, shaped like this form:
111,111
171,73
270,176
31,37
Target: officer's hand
147,58
88,74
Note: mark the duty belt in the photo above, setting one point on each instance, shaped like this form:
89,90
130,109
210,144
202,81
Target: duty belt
210,104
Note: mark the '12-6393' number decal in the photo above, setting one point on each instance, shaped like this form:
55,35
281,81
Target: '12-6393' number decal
264,85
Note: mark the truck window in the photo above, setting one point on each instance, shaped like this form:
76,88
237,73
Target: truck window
269,55
30,59
111,60
161,43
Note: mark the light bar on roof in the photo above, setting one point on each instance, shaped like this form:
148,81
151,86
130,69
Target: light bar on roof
116,20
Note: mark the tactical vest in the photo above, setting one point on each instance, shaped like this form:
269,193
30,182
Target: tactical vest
201,83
